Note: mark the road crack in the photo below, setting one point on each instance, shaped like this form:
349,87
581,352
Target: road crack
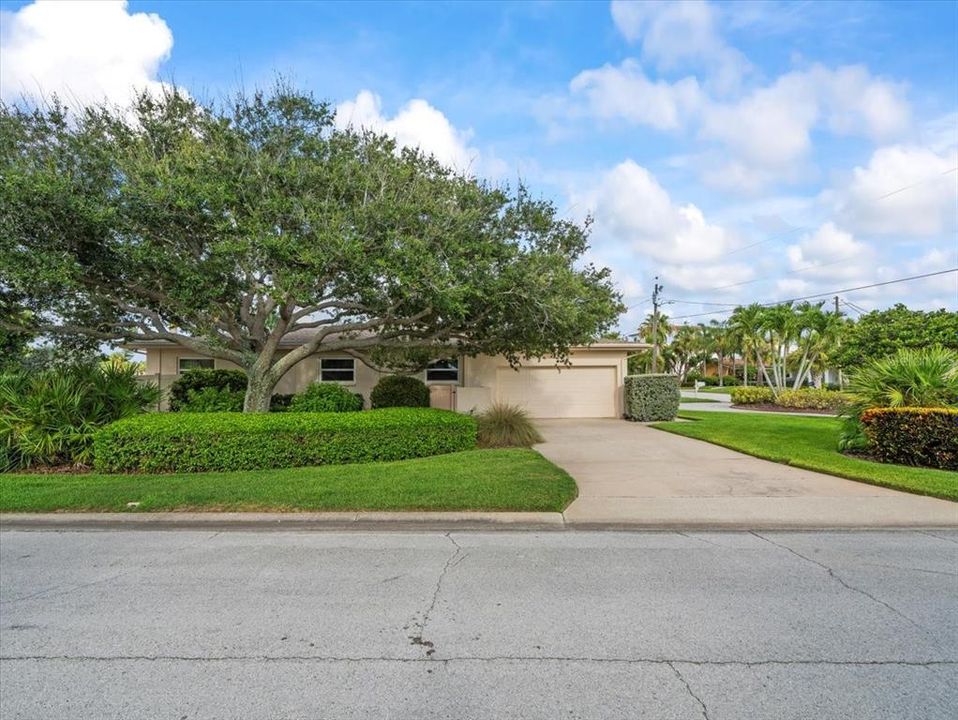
688,688
848,586
418,636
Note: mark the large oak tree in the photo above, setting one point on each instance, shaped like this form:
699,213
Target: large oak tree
225,228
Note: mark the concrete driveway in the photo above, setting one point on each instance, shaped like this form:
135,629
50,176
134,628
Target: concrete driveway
632,474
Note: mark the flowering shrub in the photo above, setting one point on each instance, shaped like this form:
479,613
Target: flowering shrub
752,396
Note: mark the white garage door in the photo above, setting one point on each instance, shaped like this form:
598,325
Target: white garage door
549,393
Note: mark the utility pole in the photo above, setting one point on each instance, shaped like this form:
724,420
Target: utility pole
839,340
656,289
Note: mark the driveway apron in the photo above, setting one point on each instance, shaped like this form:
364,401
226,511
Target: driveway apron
635,475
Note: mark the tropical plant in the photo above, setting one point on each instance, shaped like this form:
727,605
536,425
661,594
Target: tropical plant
926,378
502,425
49,417
326,397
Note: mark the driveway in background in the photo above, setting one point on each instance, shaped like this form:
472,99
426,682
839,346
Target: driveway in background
633,474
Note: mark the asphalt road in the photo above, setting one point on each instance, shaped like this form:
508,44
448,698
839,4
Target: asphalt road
182,624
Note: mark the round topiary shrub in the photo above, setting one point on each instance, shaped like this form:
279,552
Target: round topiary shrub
326,397
400,391
201,379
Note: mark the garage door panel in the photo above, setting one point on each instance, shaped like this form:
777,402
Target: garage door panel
570,392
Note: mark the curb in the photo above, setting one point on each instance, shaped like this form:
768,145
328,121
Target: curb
416,521
285,521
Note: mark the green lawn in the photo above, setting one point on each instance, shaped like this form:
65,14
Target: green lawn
512,479
808,442
698,399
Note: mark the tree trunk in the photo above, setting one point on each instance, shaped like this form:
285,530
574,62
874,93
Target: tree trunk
745,368
259,391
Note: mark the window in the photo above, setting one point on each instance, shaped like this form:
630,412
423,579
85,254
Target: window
337,370
443,371
194,364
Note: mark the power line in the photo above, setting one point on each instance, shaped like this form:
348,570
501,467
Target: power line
916,184
701,302
800,228
830,292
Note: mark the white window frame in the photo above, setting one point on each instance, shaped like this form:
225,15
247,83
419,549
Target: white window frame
341,382
458,362
179,364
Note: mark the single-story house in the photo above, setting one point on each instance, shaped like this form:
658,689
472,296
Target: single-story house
590,386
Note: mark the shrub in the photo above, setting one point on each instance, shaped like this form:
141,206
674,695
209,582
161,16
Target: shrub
49,417
913,436
326,397
710,380
194,442
692,377
731,381
504,425
280,402
813,399
213,399
752,395
652,397
201,378
927,377
399,391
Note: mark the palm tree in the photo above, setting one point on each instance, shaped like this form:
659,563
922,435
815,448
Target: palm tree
746,327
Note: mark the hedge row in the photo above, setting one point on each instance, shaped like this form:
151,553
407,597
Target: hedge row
813,399
652,397
801,399
752,395
187,442
913,436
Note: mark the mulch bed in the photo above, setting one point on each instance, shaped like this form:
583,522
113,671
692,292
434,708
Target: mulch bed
767,407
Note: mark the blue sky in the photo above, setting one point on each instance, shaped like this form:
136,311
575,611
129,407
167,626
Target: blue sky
742,152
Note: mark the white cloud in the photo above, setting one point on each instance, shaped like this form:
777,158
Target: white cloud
639,227
715,278
417,124
768,132
831,254
629,205
924,184
625,92
681,34
81,51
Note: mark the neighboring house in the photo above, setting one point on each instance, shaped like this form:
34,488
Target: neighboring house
591,386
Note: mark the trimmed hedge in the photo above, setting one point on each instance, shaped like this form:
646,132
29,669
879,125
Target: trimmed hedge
326,397
652,397
813,399
913,436
202,378
399,391
196,442
752,395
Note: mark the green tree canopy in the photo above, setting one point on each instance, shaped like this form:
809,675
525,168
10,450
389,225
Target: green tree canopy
226,229
881,333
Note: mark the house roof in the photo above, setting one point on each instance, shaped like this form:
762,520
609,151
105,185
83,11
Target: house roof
299,337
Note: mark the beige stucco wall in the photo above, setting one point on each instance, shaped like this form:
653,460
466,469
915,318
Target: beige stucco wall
477,388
